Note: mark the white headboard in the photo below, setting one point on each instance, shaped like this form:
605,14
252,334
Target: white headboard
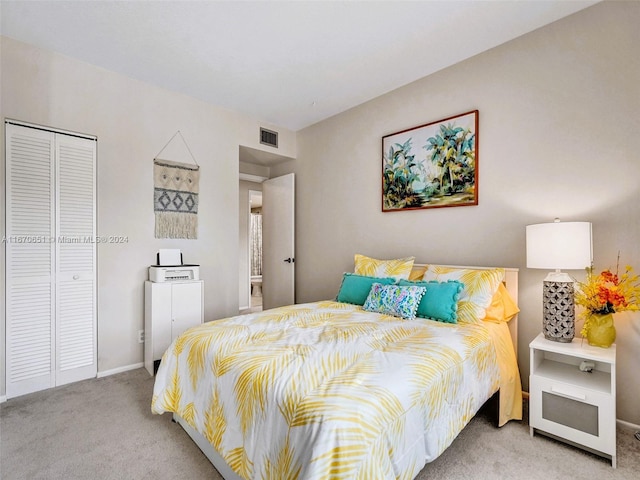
510,282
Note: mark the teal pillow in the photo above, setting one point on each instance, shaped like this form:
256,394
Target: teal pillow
355,288
440,301
396,300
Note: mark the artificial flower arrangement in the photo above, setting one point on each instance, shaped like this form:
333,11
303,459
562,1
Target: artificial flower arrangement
607,293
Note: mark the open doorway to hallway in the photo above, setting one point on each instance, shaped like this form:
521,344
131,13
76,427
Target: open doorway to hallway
255,250
260,263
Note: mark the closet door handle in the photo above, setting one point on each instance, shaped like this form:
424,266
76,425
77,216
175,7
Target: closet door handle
76,277
289,260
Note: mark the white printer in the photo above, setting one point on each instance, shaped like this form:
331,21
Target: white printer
171,269
174,273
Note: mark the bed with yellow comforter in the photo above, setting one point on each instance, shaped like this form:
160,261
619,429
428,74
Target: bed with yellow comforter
328,390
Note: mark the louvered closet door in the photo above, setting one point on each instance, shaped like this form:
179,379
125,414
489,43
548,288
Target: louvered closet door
76,260
30,260
51,259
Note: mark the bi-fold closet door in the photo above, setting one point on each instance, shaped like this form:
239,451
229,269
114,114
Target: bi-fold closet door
50,259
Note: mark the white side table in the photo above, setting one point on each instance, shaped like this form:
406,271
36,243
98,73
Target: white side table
569,404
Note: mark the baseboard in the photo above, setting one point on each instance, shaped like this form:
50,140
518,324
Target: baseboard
106,373
126,368
630,425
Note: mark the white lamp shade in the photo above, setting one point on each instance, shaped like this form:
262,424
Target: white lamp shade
559,245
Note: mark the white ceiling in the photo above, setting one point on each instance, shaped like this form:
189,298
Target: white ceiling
287,63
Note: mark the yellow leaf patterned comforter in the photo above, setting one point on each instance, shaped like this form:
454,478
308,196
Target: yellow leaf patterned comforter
328,390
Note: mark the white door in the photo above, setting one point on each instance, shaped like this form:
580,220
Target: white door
76,327
50,252
278,241
30,275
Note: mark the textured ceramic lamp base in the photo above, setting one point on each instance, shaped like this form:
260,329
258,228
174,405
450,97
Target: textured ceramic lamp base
558,322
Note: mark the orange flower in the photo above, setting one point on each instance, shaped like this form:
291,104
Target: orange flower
609,292
607,276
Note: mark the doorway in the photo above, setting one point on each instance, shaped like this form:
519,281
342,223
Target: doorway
263,284
255,251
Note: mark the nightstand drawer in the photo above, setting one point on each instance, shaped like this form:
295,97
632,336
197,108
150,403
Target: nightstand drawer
577,414
567,390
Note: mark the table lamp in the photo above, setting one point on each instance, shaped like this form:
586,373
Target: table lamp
557,246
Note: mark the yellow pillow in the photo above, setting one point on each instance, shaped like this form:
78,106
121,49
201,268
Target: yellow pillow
399,268
503,308
478,291
417,272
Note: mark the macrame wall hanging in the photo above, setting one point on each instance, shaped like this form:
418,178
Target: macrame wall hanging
175,195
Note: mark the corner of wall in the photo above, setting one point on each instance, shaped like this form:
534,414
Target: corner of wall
2,258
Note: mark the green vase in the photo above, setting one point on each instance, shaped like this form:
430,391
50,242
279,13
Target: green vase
601,331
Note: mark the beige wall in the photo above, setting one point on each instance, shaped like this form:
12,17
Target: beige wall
557,138
133,121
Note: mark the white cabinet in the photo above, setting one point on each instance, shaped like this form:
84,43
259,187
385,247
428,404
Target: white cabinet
570,404
51,319
170,308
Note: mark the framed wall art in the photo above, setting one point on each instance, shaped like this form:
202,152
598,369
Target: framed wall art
433,165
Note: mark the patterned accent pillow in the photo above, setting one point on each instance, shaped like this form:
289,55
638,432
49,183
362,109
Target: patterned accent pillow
478,291
394,300
399,268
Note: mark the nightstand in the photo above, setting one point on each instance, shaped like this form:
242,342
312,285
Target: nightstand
569,404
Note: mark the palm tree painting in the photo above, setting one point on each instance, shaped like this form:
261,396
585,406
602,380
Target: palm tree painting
433,165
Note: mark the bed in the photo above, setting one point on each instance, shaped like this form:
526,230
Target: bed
331,390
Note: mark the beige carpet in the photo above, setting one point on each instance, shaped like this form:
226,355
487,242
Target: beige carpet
103,429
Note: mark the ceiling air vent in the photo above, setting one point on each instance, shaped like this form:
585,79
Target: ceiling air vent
268,137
